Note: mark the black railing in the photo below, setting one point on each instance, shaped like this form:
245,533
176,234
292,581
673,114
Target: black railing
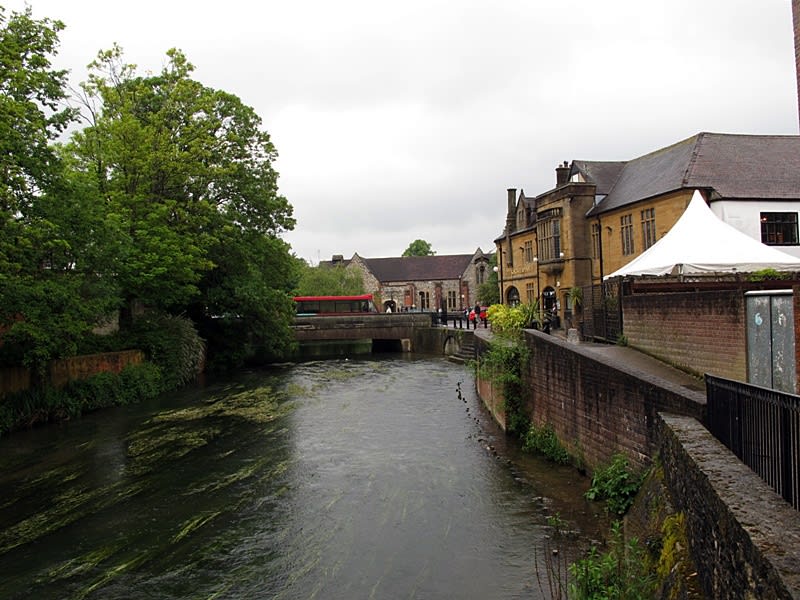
760,426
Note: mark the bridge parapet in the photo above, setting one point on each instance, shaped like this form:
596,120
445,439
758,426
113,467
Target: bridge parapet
359,326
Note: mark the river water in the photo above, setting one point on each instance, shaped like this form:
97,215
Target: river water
374,478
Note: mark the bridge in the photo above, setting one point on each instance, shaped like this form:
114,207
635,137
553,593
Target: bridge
388,332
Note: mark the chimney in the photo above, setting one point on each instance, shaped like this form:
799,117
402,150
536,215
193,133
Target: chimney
562,171
511,214
796,21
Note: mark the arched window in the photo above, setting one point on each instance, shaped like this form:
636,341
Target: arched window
481,275
512,296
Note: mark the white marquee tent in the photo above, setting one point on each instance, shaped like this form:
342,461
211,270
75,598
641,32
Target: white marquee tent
701,243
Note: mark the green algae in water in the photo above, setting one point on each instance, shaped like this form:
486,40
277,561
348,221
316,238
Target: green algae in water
193,524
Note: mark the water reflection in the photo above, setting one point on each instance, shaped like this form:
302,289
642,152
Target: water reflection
335,479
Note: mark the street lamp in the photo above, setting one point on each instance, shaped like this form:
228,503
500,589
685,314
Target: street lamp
499,271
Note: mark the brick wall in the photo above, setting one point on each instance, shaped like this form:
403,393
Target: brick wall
61,372
597,408
701,332
796,19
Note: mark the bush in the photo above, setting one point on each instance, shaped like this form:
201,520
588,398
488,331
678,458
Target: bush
616,484
172,343
511,320
621,573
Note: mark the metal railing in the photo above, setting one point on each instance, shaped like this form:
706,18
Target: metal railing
762,428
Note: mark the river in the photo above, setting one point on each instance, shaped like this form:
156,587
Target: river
372,478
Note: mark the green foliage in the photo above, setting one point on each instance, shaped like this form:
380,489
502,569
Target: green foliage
418,248
327,280
32,112
509,321
619,574
575,296
489,291
615,483
167,200
40,405
768,274
502,364
48,298
622,340
543,441
172,344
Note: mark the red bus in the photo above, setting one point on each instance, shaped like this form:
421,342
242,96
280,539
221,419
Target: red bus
334,305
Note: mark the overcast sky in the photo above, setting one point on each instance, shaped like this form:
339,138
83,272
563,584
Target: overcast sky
397,121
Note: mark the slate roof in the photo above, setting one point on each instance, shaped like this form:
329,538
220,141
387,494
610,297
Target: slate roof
602,173
419,268
735,166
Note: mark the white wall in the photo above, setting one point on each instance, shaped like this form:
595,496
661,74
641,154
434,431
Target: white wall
746,216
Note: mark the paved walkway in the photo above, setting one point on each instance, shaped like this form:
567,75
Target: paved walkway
628,358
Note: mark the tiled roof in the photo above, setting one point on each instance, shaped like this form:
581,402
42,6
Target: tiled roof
602,173
747,166
419,268
735,166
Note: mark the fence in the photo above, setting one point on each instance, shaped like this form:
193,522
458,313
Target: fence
762,428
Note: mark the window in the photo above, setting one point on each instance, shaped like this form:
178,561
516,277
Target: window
549,234
626,228
451,300
528,251
530,293
779,229
595,240
424,300
648,227
481,275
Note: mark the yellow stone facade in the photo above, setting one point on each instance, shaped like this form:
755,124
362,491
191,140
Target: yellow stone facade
666,210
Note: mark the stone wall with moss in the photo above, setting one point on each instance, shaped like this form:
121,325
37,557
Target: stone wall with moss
744,537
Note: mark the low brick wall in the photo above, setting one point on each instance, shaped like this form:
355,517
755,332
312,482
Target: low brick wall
77,367
744,538
698,331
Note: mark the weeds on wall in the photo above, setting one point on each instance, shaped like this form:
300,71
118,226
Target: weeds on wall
617,484
543,441
502,365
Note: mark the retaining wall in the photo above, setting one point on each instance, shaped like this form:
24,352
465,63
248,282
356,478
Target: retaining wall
597,407
744,538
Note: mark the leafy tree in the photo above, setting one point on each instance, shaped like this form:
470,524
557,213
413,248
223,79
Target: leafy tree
419,248
489,291
50,296
186,174
327,280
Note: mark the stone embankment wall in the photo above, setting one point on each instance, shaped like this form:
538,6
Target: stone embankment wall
744,538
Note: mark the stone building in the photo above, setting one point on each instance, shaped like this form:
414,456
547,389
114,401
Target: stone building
603,214
424,283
